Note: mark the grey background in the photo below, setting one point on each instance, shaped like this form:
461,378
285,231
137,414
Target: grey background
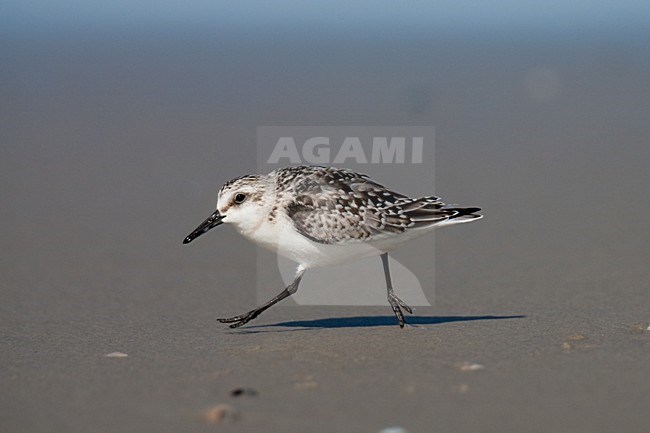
115,140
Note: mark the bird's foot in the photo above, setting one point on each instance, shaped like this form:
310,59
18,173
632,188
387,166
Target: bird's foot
237,321
397,304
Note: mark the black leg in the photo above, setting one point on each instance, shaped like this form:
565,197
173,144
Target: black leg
396,303
292,288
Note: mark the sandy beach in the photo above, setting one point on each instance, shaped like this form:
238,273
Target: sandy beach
113,147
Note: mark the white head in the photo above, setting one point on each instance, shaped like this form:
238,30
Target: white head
244,202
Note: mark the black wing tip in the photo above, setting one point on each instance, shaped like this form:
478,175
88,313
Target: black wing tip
466,212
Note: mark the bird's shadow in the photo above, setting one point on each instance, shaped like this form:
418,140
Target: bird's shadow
368,322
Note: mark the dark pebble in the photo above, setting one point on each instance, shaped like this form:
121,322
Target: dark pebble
246,392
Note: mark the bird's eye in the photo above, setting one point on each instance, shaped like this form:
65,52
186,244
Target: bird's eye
240,198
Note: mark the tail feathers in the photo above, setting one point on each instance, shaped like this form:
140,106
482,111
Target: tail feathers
427,212
465,214
464,211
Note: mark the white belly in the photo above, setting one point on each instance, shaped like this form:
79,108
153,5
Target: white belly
282,238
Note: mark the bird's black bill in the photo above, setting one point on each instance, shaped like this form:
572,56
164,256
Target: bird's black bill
213,220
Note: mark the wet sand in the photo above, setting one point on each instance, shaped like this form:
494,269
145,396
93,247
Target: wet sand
112,151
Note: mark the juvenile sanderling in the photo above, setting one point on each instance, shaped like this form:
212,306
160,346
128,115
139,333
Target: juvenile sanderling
322,216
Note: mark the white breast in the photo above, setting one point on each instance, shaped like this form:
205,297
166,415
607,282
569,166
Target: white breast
280,236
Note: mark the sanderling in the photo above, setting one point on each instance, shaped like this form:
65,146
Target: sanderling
322,216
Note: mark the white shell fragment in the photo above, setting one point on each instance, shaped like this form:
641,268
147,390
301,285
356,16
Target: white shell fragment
116,355
393,430
471,367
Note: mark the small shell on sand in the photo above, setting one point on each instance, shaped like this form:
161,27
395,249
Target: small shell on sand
468,366
220,413
393,430
116,355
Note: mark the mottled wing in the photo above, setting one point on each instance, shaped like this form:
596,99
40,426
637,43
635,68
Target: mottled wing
340,206
330,205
